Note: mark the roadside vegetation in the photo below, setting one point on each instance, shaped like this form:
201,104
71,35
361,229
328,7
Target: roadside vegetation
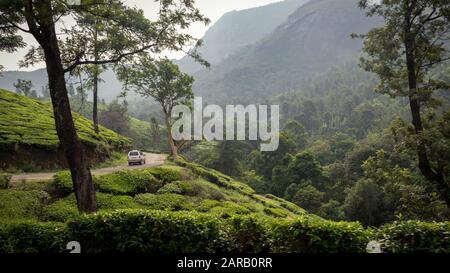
184,207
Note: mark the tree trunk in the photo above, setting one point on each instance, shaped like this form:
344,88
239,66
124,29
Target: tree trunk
65,127
95,106
427,171
173,147
95,91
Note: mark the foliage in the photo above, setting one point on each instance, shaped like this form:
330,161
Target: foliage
309,198
164,82
147,232
66,209
306,235
403,53
415,237
249,234
33,237
296,170
365,203
4,180
21,205
125,182
166,201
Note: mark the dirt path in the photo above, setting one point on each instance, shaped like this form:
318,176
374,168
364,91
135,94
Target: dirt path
152,160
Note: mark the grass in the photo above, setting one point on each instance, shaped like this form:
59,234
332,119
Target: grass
29,122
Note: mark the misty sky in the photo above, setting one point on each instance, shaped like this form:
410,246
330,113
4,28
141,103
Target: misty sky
213,9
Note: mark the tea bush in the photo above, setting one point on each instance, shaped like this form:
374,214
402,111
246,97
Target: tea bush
167,201
142,231
124,182
4,180
29,122
66,209
16,205
415,236
33,237
309,235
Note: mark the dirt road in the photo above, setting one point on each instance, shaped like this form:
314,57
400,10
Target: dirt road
152,160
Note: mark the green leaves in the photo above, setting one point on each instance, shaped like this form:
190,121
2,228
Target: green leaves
161,80
421,25
415,236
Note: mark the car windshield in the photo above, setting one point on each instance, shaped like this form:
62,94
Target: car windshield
134,153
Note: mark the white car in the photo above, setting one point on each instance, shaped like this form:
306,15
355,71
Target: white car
136,157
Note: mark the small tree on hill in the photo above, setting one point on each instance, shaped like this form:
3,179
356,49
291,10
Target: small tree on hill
164,82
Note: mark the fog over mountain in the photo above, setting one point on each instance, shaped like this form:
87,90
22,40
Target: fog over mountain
312,39
259,52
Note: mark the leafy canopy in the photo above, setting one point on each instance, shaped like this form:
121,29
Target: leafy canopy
125,31
161,80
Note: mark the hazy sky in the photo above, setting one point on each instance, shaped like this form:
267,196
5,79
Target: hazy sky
213,9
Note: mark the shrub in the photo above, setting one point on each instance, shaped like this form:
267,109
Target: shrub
415,236
148,232
127,182
4,180
171,188
62,183
33,237
308,235
275,212
216,177
61,211
109,201
197,188
121,183
66,209
143,231
227,208
168,201
33,185
16,205
167,174
248,234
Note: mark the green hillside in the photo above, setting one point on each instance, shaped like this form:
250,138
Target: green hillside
174,187
186,208
29,122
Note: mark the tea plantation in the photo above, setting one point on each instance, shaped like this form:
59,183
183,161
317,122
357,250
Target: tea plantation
183,207
30,123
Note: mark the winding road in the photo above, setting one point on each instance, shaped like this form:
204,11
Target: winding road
152,160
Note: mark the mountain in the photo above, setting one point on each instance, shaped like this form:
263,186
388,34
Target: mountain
313,39
28,135
260,52
237,29
232,32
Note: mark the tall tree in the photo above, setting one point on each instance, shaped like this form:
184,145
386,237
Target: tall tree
402,53
94,28
164,82
128,32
